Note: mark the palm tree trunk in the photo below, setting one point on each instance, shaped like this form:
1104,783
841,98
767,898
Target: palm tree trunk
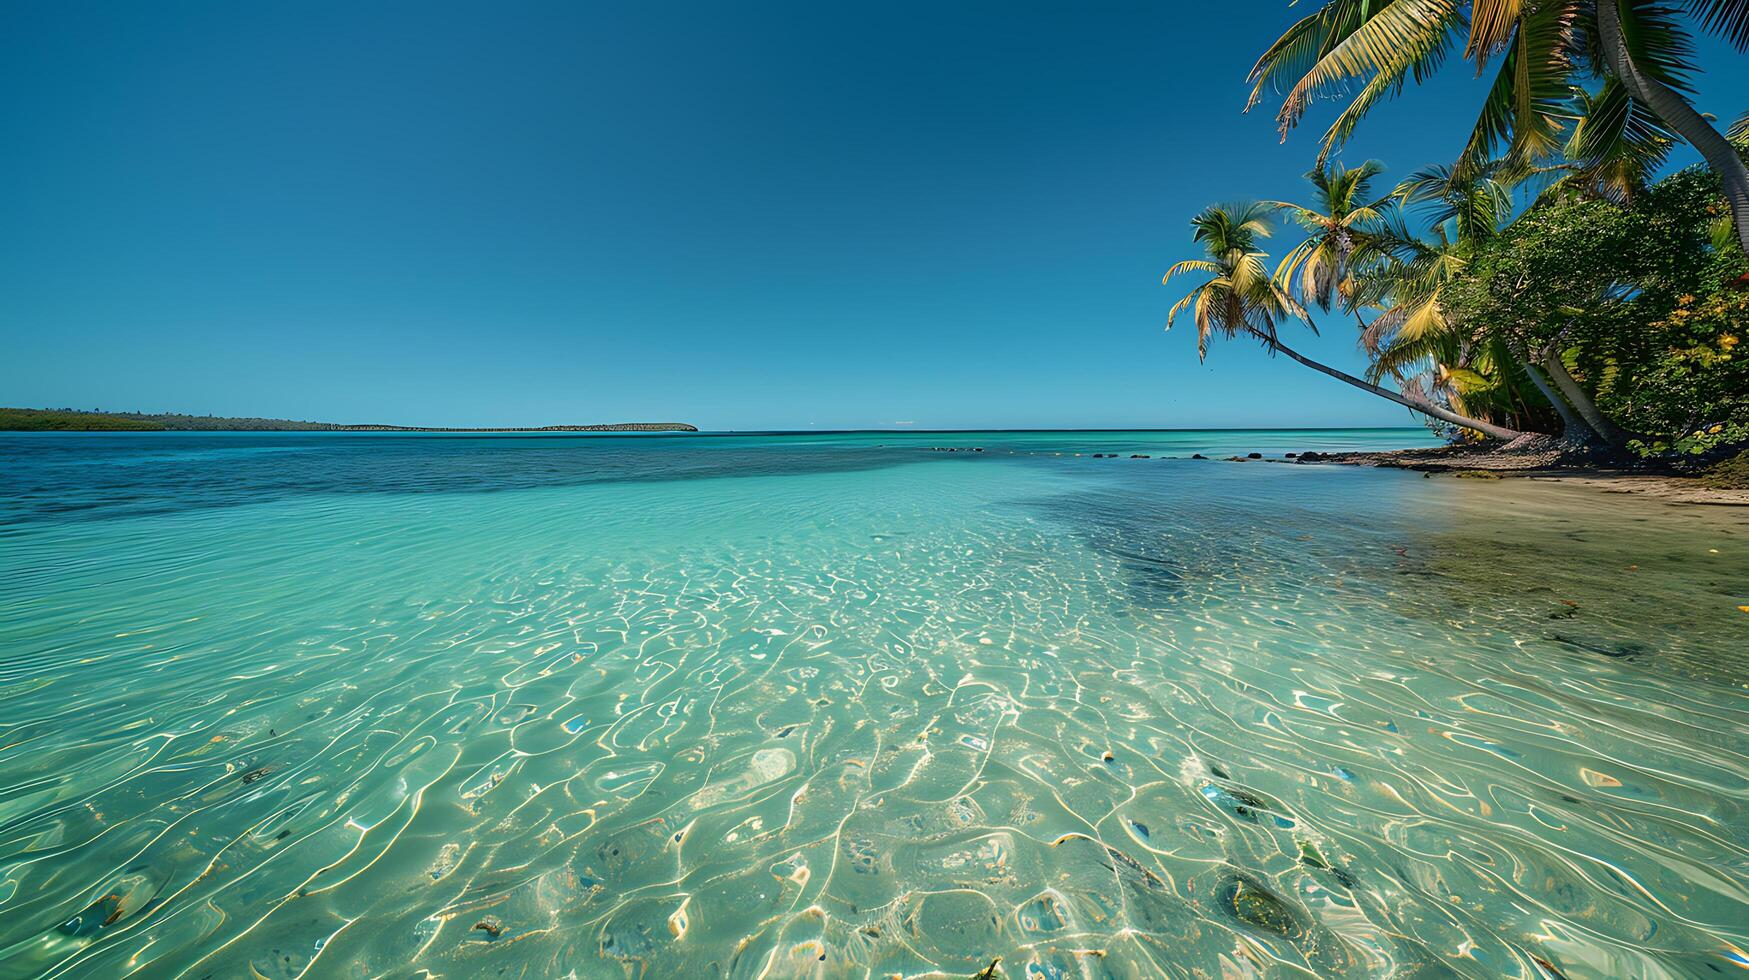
1582,400
1413,404
1676,113
1574,428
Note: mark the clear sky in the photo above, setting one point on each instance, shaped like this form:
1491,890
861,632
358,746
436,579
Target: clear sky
752,215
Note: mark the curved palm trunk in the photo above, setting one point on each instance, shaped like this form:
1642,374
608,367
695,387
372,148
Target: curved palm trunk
1413,404
1574,428
1582,401
1676,113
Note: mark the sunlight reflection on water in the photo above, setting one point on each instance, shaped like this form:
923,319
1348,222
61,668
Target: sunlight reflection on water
863,709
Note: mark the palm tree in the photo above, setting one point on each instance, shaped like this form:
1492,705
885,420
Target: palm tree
1366,50
1240,297
1415,342
1338,226
1359,252
1617,145
1648,52
1411,340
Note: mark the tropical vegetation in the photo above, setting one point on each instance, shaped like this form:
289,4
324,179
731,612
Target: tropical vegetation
68,420
1549,280
1624,65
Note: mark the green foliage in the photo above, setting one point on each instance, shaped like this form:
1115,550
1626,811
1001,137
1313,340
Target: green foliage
1633,299
1731,474
67,420
1692,386
1579,271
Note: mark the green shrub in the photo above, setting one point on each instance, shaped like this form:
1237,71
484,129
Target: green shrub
1732,474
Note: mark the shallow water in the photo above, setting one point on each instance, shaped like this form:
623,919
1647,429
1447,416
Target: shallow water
366,705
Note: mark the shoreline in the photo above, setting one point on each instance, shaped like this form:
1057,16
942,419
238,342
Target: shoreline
79,420
1496,463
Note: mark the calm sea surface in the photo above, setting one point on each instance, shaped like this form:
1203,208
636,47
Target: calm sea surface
360,705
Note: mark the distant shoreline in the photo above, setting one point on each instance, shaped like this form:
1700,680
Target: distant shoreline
75,420
612,427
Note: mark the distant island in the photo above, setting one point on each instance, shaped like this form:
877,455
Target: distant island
77,420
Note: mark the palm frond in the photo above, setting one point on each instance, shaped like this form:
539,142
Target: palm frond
1617,145
1739,131
1178,307
1530,102
1492,23
1376,56
1727,18
1189,265
1297,50
1657,43
1476,200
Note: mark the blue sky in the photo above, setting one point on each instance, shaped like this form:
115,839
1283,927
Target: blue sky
765,215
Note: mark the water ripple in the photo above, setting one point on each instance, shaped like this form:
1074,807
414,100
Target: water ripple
900,721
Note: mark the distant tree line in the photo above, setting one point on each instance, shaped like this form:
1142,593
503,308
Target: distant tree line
97,420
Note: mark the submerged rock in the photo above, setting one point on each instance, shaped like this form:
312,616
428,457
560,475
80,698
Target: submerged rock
97,916
1253,455
1245,899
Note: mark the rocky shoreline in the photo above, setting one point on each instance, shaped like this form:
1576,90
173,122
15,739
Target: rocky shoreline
1541,457
1531,457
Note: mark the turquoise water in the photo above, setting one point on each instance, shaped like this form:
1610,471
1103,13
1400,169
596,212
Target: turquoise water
842,705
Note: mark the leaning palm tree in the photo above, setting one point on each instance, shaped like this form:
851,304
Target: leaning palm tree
1241,298
1414,342
1413,339
1368,50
